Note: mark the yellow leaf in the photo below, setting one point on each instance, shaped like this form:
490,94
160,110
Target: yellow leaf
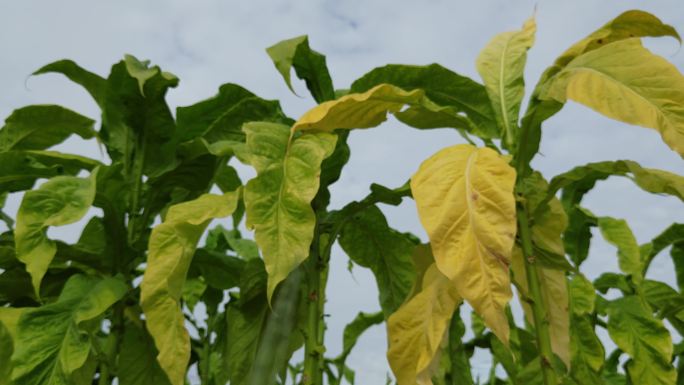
466,204
554,290
172,245
501,65
370,108
417,329
626,82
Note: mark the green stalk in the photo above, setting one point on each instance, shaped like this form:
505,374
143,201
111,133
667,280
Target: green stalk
313,343
541,322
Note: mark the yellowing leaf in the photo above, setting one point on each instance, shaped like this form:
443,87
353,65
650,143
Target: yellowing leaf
626,82
416,330
501,65
554,288
370,108
278,200
465,202
618,233
60,201
172,245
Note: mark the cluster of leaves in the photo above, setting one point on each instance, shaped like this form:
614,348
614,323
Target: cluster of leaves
123,302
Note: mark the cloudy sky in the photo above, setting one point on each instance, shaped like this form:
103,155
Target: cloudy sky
210,42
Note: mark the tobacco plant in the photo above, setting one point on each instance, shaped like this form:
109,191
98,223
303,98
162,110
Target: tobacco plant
139,300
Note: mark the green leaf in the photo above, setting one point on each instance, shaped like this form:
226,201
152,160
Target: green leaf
43,126
461,372
138,364
278,199
221,117
19,170
634,329
54,341
618,233
607,281
218,270
245,325
94,84
677,254
626,82
172,245
9,317
309,66
354,330
370,242
501,65
443,87
586,351
672,235
582,295
60,201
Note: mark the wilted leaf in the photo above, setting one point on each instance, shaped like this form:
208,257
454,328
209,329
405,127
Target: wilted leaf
416,331
278,200
172,245
465,202
60,201
53,341
501,65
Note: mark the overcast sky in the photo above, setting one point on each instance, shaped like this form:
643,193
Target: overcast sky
208,43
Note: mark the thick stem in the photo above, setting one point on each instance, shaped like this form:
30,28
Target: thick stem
313,344
541,322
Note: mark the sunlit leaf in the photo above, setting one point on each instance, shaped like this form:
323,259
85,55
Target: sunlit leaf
9,317
501,65
465,202
417,330
278,200
60,201
53,341
172,245
618,233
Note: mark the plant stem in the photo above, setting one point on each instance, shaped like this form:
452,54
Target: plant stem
313,344
541,323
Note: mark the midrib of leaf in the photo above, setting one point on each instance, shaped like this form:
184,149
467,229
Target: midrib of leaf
282,188
502,101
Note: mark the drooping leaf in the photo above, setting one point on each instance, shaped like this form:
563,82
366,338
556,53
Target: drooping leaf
172,245
674,234
370,242
308,64
94,84
554,290
354,330
618,233
666,301
42,126
586,351
19,170
465,202
501,65
278,199
138,362
369,109
218,270
53,341
416,331
582,295
634,329
60,201
625,81
442,86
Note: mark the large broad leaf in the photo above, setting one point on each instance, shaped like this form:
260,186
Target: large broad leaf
586,351
19,170
501,65
618,233
554,289
138,364
625,81
308,64
60,201
221,117
172,245
627,25
465,202
9,317
442,86
53,341
371,243
369,109
41,127
417,330
278,200
634,329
